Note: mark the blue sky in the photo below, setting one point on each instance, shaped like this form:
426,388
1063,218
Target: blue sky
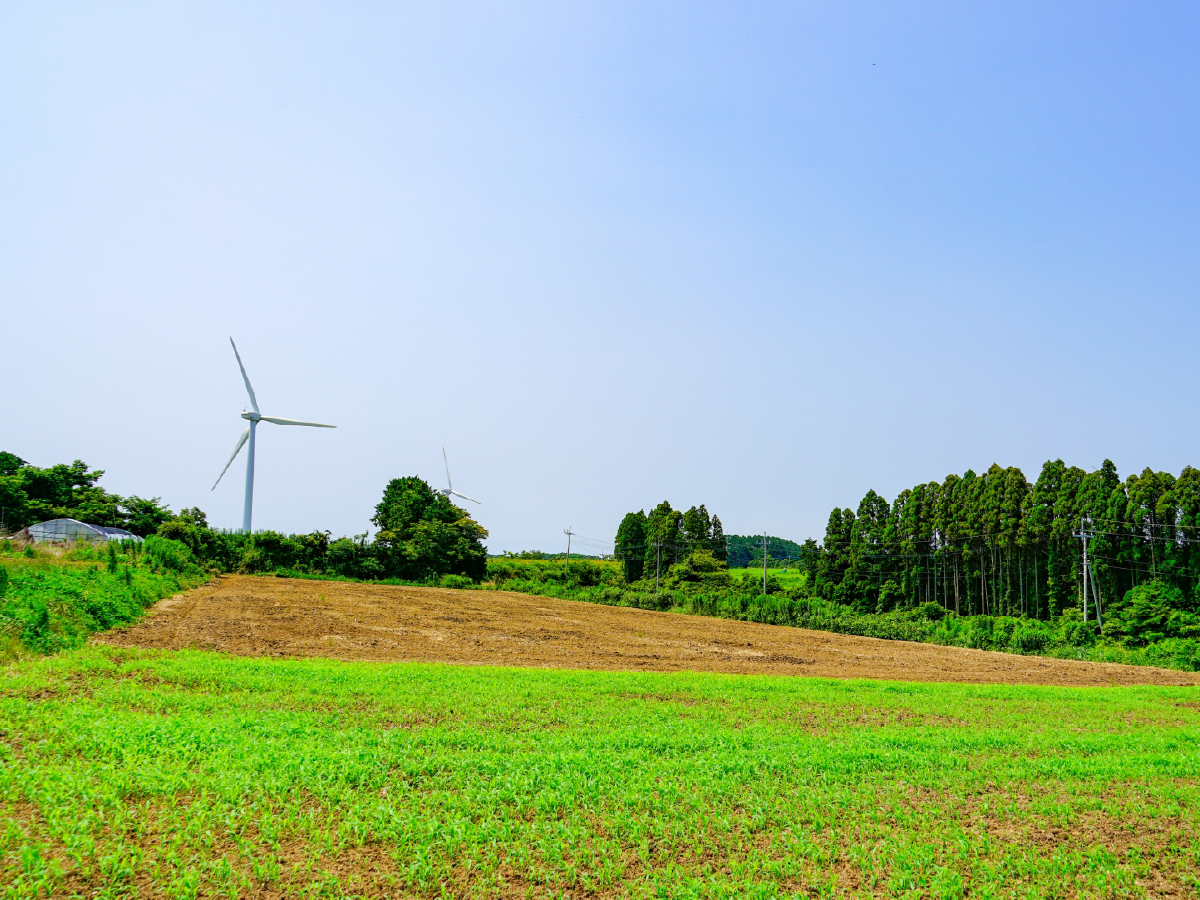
760,256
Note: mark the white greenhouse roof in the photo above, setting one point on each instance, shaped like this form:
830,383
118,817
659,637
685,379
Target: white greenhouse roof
74,530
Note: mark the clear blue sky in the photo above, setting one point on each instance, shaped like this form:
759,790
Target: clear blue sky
760,256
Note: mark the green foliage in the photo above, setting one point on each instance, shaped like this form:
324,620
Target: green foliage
995,544
53,603
701,570
648,546
423,535
3,581
172,556
512,573
746,551
630,545
10,462
231,777
1152,612
143,517
29,494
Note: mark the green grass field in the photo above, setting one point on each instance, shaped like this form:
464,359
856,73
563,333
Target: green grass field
190,774
788,578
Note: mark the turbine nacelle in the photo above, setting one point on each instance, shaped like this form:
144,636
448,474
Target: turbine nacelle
448,490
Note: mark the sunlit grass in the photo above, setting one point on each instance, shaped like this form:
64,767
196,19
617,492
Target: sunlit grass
195,774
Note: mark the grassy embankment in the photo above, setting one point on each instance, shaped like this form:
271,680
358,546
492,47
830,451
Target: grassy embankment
54,598
194,774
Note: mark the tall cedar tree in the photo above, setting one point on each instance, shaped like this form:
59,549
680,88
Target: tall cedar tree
631,545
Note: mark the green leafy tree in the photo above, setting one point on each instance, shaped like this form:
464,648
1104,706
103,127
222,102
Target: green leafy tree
195,515
141,516
10,462
423,535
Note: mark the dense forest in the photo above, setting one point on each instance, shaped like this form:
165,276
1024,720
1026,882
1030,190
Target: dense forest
995,544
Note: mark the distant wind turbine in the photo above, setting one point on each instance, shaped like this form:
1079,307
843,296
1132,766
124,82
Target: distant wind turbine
449,488
248,435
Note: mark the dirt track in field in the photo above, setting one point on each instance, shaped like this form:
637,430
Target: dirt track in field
291,617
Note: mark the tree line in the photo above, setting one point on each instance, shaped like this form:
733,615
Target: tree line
996,544
422,535
29,494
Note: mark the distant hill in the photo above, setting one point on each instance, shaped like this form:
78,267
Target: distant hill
745,550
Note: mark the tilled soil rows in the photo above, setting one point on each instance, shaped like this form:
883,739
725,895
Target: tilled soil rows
252,616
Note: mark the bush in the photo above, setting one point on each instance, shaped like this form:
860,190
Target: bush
254,560
168,555
931,612
701,570
1151,612
458,582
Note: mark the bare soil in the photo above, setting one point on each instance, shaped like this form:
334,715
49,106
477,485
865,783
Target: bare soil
252,616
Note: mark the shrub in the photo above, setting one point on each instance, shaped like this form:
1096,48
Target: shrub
169,555
254,560
700,570
931,612
1149,613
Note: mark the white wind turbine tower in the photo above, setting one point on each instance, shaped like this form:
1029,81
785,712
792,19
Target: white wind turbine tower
449,488
248,435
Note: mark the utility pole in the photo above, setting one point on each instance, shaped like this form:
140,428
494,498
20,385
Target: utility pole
1082,535
567,562
764,563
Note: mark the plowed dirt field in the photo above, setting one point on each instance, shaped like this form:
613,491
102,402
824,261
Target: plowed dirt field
290,617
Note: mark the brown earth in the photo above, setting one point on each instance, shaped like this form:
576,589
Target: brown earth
252,616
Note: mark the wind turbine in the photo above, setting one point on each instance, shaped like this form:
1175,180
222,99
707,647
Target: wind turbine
449,488
248,435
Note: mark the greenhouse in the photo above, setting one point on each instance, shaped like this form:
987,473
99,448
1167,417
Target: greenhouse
72,530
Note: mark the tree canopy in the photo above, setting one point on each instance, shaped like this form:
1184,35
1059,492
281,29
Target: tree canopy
29,494
423,535
994,543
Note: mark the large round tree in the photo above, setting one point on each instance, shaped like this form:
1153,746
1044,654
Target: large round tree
423,535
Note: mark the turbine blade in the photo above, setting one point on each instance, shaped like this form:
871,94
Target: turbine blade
465,497
236,450
295,422
245,377
449,483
